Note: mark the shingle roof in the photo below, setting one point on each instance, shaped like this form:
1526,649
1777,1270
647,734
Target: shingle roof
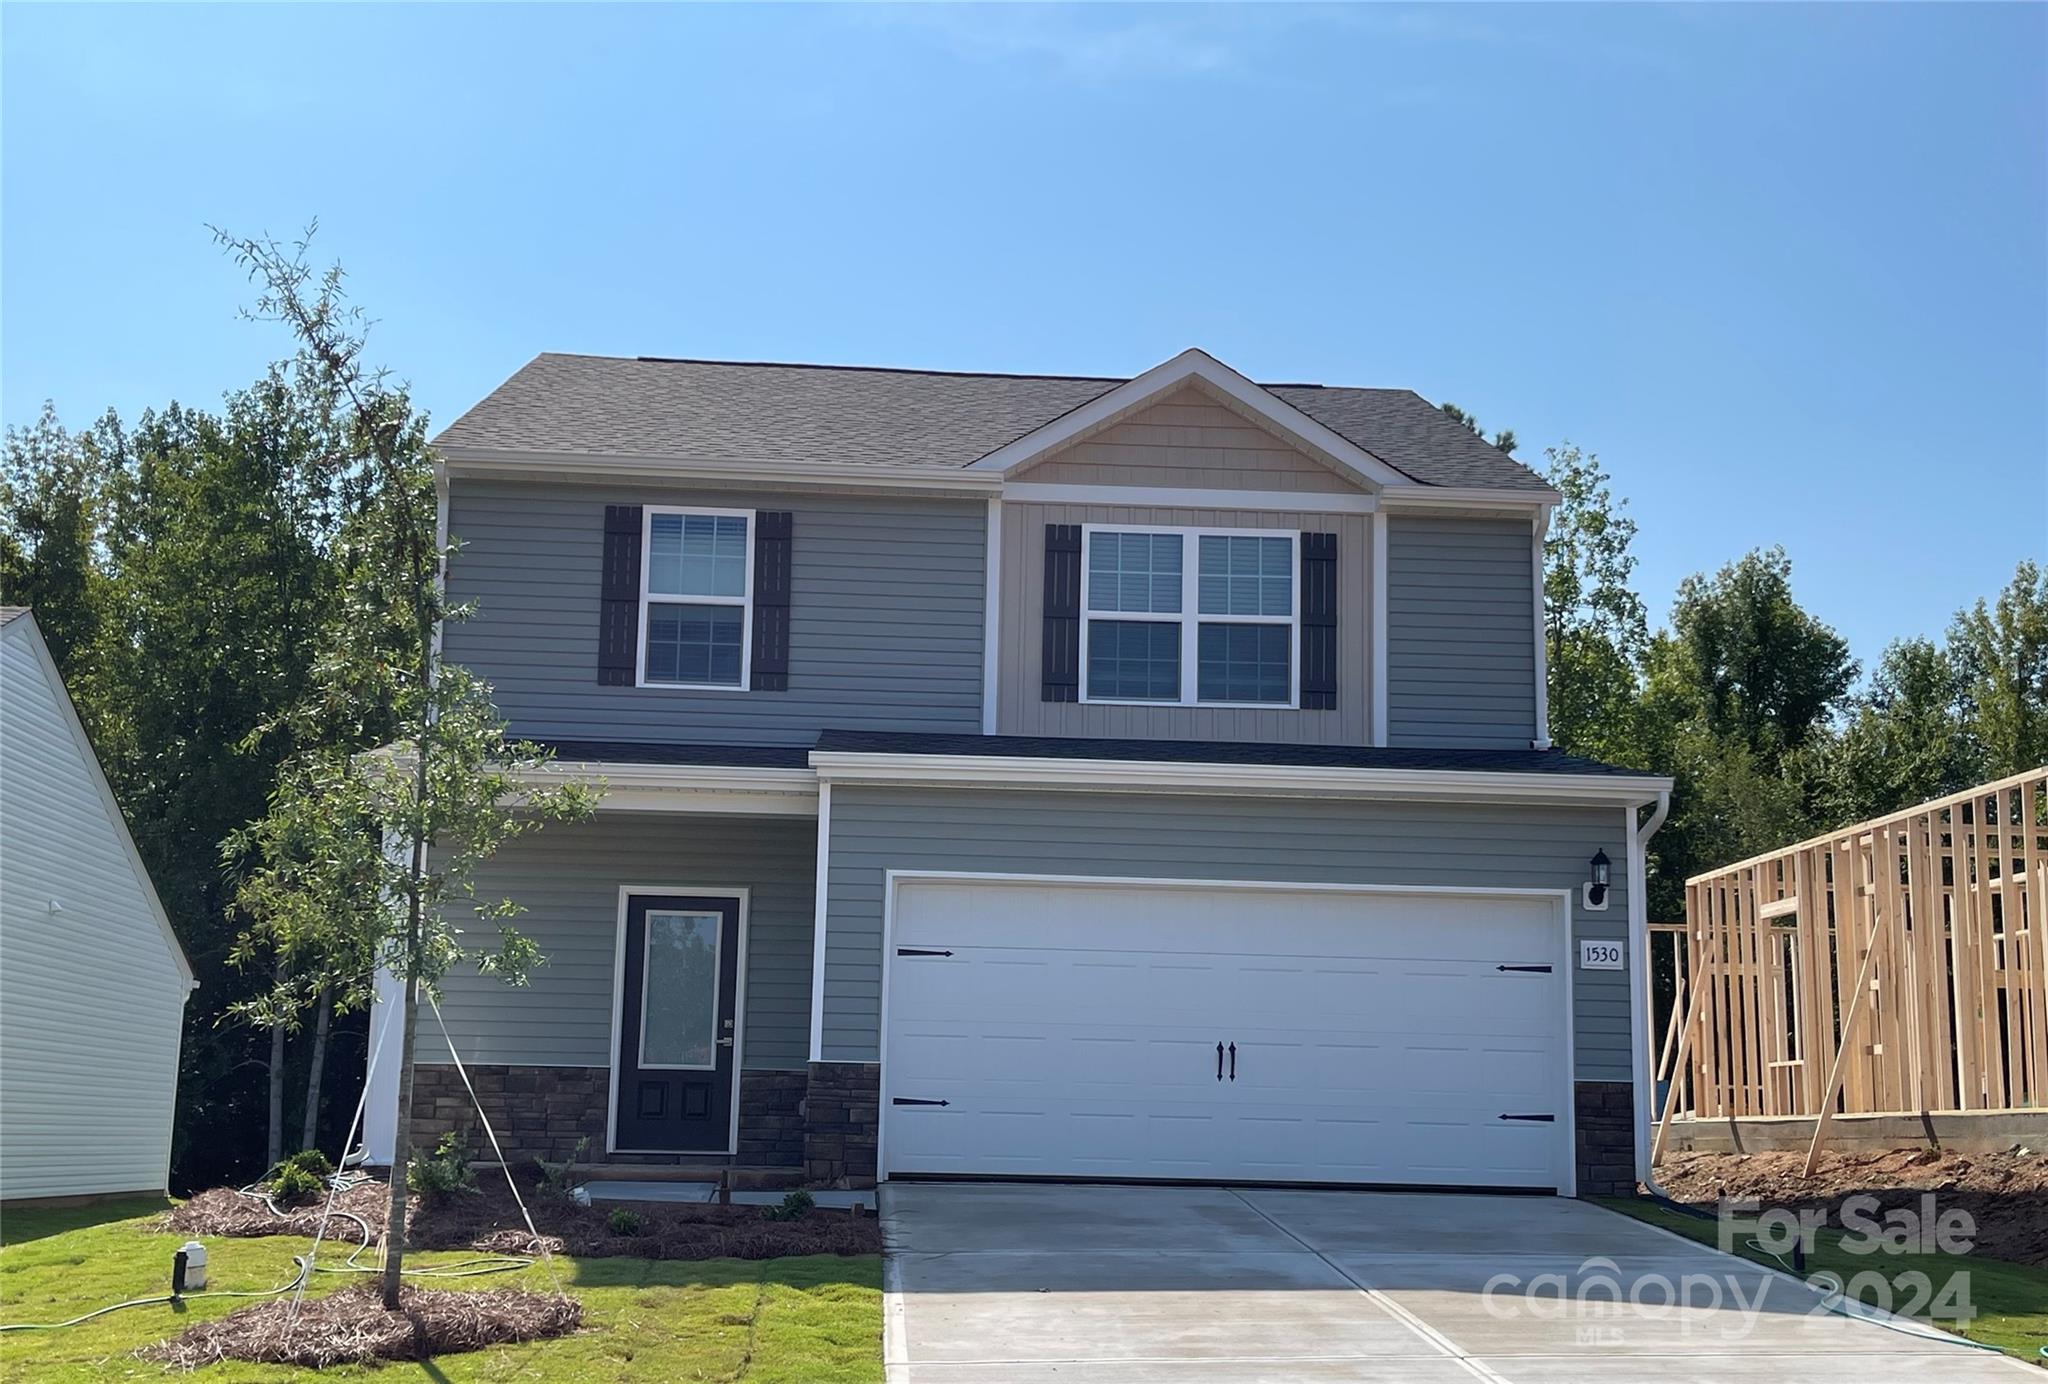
860,416
1219,752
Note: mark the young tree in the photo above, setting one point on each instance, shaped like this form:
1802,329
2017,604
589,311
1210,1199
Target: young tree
407,826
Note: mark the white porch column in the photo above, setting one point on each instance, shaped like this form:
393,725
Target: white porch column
380,1080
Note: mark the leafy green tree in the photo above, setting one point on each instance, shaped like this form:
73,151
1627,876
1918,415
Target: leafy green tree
1504,439
2001,654
1904,742
1595,628
408,826
56,488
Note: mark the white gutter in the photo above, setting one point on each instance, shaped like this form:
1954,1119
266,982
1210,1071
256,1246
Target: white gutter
1156,776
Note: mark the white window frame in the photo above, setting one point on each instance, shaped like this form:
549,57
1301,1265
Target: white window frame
647,971
744,602
1190,619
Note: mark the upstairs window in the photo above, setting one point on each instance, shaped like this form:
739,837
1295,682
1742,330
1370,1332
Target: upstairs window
1186,617
696,598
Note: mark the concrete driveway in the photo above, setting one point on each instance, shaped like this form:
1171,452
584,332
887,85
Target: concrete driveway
1031,1284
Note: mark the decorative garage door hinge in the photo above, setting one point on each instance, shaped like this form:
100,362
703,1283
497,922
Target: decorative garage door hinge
1544,969
913,1100
1540,1119
928,951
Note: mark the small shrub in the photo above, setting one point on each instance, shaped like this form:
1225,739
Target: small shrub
623,1221
444,1172
291,1183
558,1180
795,1206
312,1161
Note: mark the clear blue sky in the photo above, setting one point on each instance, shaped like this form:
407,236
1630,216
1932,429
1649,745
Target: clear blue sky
1781,267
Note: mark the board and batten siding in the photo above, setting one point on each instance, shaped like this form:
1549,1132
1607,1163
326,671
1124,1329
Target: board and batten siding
92,995
567,876
1020,709
885,615
1299,841
1461,633
1187,441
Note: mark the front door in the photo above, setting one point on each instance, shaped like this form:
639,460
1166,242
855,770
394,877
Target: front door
677,1013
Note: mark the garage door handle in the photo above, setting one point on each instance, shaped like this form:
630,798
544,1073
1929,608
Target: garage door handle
920,951
1233,1061
1544,969
913,1100
1219,1062
1539,1119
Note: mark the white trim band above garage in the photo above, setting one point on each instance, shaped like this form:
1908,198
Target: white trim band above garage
631,787
1157,776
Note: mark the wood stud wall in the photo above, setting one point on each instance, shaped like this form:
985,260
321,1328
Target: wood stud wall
1951,896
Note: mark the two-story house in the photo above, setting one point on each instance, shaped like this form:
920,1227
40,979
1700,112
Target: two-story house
1037,776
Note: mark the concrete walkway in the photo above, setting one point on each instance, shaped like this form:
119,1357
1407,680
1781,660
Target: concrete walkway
1034,1284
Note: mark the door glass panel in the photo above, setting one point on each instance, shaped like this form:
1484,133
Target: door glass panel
679,995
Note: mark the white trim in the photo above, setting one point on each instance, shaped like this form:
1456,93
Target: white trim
745,601
734,471
822,890
1378,595
67,711
1468,497
637,787
1170,497
1347,457
640,1062
1542,528
991,615
1116,775
1189,618
739,1010
1641,1035
892,880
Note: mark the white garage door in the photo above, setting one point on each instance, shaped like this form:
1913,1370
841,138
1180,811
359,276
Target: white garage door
1060,1030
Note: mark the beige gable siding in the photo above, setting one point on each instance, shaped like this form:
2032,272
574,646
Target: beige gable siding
1020,711
92,998
1187,441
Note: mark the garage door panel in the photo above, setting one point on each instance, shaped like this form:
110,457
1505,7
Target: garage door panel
1073,1031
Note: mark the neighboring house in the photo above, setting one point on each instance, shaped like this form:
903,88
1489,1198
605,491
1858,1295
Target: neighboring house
1037,776
92,980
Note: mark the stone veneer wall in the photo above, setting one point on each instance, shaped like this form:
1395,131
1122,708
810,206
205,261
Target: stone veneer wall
541,1112
1606,1138
842,1115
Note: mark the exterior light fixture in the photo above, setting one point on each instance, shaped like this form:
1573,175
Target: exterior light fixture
1596,888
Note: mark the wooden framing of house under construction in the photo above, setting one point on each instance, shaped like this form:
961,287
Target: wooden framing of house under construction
1896,966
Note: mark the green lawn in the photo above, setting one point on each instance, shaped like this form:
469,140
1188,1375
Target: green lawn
815,1320
2011,1300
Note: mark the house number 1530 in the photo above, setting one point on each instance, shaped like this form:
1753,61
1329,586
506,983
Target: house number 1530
1601,956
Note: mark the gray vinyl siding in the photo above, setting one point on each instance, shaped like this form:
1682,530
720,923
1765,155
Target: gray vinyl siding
1022,710
567,877
1192,837
1461,633
885,617
92,997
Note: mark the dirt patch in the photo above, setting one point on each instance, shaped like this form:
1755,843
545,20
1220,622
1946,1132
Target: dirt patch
2006,1193
351,1326
489,1220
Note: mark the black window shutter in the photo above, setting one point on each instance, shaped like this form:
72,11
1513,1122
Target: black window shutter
618,620
771,600
1319,621
1060,669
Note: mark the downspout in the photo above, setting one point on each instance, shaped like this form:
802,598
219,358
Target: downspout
1639,932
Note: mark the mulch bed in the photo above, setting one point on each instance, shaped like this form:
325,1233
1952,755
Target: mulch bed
351,1326
2005,1193
488,1220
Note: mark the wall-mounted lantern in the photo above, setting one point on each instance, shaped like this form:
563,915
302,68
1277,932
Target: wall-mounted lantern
1596,887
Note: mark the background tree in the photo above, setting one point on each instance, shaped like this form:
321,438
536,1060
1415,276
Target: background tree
1905,740
2001,655
442,796
1504,439
1595,628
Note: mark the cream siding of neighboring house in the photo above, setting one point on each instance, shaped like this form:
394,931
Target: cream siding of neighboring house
92,982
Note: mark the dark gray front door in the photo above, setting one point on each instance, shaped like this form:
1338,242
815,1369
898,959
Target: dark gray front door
677,1036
